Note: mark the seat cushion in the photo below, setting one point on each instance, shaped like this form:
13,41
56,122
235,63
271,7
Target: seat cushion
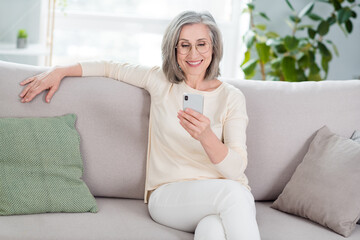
274,224
116,219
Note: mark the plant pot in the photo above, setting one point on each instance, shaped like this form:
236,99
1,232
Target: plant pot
21,43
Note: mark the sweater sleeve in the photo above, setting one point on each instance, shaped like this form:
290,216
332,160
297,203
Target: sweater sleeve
234,134
136,75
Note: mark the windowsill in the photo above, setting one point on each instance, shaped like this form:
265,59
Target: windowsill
30,50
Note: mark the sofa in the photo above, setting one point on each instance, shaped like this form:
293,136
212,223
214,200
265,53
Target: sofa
112,120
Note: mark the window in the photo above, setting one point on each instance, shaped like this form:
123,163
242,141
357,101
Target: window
131,30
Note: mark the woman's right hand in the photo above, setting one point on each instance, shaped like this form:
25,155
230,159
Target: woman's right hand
37,84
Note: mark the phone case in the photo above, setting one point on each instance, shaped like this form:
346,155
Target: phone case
193,101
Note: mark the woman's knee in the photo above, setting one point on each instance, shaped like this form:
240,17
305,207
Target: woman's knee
235,193
210,228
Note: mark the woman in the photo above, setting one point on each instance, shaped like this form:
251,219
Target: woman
195,177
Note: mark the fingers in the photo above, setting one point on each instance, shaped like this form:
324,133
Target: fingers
189,118
51,93
194,113
37,84
26,81
31,93
23,93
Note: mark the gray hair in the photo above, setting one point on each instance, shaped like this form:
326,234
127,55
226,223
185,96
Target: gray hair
171,37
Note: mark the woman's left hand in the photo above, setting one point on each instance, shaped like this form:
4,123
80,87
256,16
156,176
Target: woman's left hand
196,124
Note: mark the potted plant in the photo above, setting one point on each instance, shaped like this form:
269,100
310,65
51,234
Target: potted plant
292,57
21,39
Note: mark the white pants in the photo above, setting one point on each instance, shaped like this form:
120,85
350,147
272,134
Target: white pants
213,209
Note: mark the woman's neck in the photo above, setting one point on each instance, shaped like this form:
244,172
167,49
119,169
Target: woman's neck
202,85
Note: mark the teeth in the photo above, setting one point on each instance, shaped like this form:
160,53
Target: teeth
194,63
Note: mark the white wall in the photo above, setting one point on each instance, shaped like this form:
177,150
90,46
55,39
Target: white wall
347,65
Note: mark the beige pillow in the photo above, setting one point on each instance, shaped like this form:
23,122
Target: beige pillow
356,138
325,186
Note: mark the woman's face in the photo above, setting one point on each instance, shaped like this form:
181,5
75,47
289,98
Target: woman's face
194,50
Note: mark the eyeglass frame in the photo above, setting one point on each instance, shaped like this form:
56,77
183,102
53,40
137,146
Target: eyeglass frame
191,47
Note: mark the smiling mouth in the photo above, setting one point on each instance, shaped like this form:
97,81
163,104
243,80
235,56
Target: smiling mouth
194,63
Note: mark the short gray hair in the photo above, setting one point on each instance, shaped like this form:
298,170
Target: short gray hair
171,37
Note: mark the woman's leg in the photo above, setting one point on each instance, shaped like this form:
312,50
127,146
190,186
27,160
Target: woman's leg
183,205
210,228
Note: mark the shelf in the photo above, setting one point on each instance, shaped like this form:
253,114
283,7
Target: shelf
30,50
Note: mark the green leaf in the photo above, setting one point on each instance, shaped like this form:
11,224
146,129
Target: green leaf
336,4
249,39
294,18
344,14
264,16
289,4
247,56
311,33
304,62
349,26
246,10
334,48
288,69
323,28
291,42
249,68
353,14
325,66
306,10
315,77
271,35
351,1
314,69
280,48
304,45
251,6
275,63
300,75
262,27
331,20
263,51
324,51
315,17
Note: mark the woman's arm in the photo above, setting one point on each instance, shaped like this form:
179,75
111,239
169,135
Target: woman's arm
48,80
229,157
199,128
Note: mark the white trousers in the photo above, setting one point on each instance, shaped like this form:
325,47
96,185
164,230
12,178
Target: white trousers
213,209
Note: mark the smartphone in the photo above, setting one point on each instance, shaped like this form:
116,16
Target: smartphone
193,101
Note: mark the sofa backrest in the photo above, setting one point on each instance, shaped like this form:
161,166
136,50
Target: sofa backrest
113,125
112,120
283,120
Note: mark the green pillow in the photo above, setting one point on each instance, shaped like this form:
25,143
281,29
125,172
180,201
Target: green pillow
41,167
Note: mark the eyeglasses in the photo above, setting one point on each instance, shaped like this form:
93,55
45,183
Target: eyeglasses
185,47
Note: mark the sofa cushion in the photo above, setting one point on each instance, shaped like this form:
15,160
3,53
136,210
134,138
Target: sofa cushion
41,167
274,224
113,134
116,219
356,138
283,119
324,187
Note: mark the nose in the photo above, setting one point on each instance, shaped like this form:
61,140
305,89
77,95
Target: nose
193,51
